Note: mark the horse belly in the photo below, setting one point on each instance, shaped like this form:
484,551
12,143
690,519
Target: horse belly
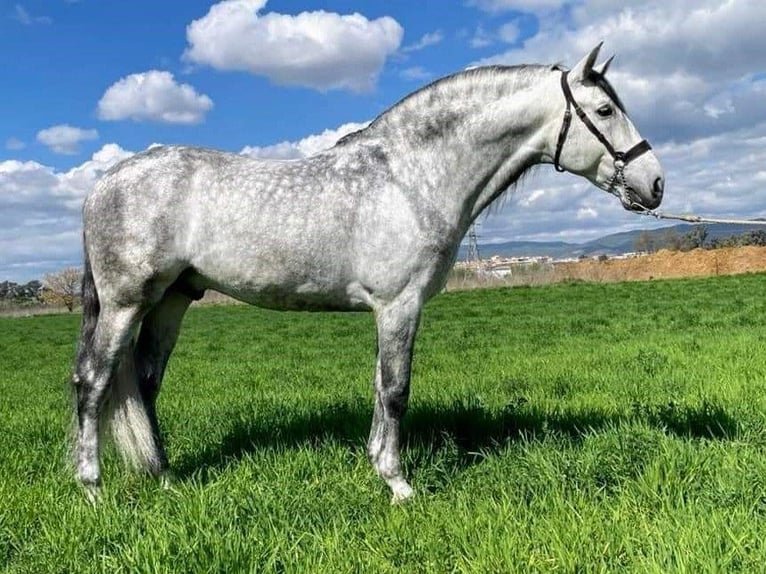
282,283
304,297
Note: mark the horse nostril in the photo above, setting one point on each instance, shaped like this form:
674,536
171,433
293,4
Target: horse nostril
659,186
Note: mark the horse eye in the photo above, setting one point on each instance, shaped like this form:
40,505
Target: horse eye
604,111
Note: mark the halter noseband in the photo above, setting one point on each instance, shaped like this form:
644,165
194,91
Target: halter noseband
621,159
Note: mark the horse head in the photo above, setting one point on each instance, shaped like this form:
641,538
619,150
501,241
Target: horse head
598,141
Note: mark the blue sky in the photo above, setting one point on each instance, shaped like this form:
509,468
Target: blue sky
88,82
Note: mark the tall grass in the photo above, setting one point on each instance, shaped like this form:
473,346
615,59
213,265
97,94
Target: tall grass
567,428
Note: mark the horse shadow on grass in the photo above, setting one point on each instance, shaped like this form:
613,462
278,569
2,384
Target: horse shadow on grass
474,430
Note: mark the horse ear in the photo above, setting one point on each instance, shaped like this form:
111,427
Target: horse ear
584,67
604,67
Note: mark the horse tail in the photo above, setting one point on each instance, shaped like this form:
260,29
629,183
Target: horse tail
126,416
123,412
91,307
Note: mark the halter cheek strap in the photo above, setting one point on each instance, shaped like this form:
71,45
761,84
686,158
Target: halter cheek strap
621,159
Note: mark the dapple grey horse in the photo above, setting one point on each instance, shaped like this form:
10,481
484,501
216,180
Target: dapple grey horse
373,223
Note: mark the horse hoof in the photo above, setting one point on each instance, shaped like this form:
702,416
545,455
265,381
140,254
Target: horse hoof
401,492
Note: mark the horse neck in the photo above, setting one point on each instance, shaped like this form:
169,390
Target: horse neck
462,145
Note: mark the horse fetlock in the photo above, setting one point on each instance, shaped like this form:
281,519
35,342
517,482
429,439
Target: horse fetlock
375,445
89,478
388,468
88,468
387,465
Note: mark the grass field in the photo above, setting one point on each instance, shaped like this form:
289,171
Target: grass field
568,428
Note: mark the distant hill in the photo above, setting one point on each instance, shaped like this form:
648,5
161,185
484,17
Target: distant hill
614,244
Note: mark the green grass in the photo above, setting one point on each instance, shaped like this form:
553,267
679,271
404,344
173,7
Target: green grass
569,428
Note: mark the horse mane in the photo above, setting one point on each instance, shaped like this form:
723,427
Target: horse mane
507,79
522,73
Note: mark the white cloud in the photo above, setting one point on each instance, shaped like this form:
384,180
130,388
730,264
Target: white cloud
321,50
65,139
509,32
586,213
428,39
153,96
415,73
691,77
532,197
481,38
306,147
716,39
40,226
685,69
517,5
21,14
14,144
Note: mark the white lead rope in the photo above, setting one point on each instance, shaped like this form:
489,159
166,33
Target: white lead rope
699,219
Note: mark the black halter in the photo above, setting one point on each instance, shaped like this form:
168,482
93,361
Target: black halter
621,159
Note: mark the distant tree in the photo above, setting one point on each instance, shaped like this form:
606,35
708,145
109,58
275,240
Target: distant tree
62,287
644,242
721,242
756,237
30,291
7,289
694,239
27,292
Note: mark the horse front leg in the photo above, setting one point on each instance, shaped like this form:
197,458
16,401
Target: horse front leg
397,324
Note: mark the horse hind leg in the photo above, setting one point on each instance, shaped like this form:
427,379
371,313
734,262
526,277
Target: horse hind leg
98,363
156,340
106,384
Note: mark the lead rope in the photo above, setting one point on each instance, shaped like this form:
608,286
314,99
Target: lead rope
694,218
639,209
